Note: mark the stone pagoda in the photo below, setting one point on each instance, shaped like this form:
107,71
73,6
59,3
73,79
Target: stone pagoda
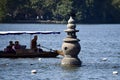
71,46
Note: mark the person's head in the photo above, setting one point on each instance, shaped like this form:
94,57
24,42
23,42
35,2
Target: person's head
11,42
16,42
35,37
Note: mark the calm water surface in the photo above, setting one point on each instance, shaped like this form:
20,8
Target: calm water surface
97,42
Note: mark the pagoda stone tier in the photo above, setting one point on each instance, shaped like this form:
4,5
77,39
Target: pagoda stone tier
71,46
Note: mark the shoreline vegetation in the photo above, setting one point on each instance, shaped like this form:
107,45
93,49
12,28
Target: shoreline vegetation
58,11
36,21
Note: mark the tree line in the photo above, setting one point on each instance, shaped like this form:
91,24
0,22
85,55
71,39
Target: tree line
86,11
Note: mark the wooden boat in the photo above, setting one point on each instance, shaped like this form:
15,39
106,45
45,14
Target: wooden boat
60,52
27,53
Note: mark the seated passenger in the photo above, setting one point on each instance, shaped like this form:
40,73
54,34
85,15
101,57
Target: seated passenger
10,48
11,43
17,45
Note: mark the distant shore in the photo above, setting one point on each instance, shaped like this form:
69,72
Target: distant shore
50,22
37,21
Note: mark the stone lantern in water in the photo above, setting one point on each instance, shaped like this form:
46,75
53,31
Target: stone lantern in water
71,46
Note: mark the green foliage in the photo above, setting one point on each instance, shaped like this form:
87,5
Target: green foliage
2,9
63,9
116,3
87,11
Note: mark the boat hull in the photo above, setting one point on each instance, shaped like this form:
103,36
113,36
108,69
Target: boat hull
43,54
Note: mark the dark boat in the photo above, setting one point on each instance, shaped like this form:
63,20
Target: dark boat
27,53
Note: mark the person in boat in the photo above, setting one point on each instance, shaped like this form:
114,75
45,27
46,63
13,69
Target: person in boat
34,44
10,47
17,45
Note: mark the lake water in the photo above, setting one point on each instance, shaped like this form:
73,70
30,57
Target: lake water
97,42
